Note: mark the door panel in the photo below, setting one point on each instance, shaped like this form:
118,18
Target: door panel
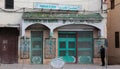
67,46
8,45
36,47
85,47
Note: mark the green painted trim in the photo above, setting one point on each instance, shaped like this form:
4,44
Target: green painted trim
84,49
85,39
37,15
66,32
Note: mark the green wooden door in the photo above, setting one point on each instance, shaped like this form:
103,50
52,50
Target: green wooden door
67,46
85,47
36,47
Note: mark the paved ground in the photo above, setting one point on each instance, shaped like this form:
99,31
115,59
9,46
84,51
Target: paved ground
66,66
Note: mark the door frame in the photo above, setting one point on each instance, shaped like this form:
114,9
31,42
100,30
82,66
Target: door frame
68,32
92,48
31,46
9,33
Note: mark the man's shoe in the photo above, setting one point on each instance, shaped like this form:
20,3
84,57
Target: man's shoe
102,65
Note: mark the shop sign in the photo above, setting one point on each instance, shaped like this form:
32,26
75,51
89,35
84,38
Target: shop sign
57,6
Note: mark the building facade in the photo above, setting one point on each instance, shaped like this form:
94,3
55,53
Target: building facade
37,31
113,32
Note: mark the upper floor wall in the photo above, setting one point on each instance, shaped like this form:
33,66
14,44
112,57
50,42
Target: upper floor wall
88,5
113,18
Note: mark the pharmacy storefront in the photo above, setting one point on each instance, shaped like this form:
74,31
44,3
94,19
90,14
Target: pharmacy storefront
50,34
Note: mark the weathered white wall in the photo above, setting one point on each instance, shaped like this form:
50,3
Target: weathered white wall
1,3
16,18
10,18
101,25
90,5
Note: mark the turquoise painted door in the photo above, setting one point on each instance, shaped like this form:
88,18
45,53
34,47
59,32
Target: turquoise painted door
85,47
67,46
36,47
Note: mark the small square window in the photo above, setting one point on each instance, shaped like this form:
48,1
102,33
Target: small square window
9,4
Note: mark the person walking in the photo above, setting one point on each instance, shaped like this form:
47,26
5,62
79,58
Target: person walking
102,54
